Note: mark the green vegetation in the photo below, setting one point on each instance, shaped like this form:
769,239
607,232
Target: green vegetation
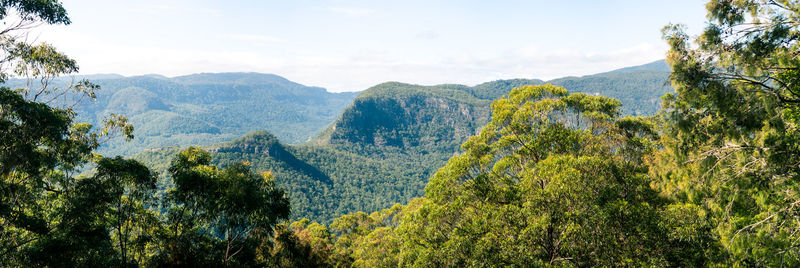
731,131
544,177
553,179
112,217
558,179
639,88
393,137
204,109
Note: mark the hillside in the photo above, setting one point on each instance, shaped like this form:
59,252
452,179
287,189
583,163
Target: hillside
405,116
639,88
380,151
204,109
384,146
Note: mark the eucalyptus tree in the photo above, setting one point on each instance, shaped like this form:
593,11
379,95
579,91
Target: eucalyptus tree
554,179
48,216
731,153
214,214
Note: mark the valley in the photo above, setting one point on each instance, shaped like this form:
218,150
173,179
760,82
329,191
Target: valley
416,155
384,146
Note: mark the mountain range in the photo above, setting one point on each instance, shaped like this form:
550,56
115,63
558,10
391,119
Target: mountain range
209,108
204,109
384,146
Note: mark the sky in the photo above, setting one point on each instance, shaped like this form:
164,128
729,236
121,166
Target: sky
352,45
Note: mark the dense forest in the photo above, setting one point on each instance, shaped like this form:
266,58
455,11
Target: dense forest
567,173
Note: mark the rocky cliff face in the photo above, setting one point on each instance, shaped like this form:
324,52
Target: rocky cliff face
403,116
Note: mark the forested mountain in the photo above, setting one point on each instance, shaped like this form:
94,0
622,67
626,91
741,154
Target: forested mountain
384,147
639,88
203,109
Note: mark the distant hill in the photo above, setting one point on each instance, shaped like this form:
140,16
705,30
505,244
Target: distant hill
639,88
204,109
659,66
404,115
386,144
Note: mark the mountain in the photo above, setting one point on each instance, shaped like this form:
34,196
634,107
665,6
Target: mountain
404,115
639,88
383,147
658,66
206,108
380,151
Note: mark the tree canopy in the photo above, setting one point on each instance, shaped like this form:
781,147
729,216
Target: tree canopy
730,131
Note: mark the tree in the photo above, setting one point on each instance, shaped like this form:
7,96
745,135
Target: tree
553,179
300,244
367,240
48,216
208,204
130,186
730,130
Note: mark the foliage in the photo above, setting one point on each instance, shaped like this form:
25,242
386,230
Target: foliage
301,244
554,179
639,88
544,183
730,131
367,240
218,207
384,147
110,216
47,216
551,178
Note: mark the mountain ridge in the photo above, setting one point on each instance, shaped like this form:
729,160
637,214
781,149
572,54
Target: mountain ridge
204,109
658,65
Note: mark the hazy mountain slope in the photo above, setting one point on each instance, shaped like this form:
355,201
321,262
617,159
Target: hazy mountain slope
203,109
639,88
659,65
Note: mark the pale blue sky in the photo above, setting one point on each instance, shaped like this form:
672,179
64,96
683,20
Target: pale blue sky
352,45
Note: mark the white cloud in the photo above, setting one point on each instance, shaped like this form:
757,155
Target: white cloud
349,71
351,11
253,37
368,68
171,10
427,35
